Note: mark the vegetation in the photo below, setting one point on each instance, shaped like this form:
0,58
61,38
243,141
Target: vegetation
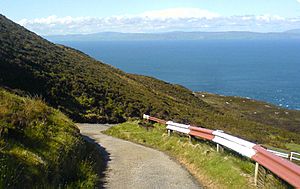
254,110
42,148
90,91
259,112
212,169
83,88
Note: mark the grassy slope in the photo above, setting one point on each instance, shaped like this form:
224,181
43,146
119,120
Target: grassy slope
42,148
85,89
90,91
257,111
260,112
212,169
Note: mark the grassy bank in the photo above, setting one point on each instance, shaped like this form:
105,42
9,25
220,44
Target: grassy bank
212,169
42,148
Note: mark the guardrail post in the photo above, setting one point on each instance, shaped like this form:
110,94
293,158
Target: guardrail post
191,139
169,132
218,147
256,173
291,156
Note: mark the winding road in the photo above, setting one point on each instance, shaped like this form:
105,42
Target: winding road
130,165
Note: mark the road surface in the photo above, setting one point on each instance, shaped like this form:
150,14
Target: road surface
134,166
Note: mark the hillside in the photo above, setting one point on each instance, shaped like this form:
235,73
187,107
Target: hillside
85,89
258,111
42,148
90,91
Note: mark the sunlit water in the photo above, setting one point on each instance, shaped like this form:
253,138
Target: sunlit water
261,69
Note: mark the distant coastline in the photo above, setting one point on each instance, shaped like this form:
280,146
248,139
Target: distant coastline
176,35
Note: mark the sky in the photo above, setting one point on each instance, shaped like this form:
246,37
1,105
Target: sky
58,17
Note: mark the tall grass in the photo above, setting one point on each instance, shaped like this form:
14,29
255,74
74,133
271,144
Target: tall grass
42,148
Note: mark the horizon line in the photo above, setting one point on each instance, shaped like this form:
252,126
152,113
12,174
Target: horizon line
178,31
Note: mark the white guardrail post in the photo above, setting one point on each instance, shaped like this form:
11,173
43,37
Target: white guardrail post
146,116
256,173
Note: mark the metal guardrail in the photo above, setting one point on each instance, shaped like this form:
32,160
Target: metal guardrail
291,156
280,154
154,119
283,168
270,159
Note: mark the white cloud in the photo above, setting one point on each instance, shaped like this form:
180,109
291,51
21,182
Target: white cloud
298,1
183,19
269,18
180,13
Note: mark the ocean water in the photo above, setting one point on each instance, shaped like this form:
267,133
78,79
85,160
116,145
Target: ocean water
267,70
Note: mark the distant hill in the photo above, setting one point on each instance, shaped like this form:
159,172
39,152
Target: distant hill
89,91
173,36
294,31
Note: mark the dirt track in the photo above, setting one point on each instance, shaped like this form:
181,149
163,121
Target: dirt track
135,166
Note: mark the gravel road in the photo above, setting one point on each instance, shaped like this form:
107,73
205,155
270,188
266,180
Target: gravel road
134,166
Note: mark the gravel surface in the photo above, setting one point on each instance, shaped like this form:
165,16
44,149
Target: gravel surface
134,166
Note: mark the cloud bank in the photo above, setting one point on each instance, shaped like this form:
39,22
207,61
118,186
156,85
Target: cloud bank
175,19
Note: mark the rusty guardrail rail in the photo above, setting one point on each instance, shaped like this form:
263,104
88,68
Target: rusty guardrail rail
270,159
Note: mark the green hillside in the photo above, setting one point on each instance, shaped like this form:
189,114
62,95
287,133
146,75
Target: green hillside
89,91
42,148
85,89
254,110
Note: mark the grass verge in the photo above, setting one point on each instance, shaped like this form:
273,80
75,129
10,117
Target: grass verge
212,169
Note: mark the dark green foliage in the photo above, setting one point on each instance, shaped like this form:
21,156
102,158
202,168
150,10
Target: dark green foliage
83,88
90,91
41,148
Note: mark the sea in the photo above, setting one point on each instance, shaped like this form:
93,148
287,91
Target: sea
267,70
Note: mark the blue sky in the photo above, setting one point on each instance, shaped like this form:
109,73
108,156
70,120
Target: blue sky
77,16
